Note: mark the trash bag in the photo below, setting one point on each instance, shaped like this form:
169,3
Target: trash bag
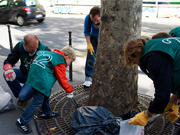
132,129
94,120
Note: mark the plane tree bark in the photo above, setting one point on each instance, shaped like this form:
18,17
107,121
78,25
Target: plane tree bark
115,86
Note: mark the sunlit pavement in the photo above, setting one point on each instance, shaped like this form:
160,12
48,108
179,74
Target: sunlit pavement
54,33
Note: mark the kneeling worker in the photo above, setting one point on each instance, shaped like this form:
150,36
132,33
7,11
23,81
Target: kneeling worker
46,68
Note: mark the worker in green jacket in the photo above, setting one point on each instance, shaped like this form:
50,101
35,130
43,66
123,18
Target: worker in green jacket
46,68
159,59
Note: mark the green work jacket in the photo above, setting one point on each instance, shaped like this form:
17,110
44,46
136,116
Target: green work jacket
41,76
170,46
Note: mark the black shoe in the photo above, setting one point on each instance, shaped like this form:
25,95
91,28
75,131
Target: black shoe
53,114
20,103
24,127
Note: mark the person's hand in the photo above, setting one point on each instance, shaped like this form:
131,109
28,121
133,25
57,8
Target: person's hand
90,48
70,95
168,107
9,73
174,114
139,119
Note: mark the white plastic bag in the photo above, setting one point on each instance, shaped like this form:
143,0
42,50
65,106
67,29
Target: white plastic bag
126,129
4,98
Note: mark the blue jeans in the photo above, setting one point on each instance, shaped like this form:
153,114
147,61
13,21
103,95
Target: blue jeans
38,100
90,59
24,93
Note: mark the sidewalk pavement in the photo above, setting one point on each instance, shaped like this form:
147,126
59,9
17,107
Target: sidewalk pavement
7,120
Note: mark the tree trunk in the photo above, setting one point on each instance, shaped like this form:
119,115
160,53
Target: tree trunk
114,86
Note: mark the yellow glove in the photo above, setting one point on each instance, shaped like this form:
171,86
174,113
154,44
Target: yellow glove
90,48
168,107
139,119
174,114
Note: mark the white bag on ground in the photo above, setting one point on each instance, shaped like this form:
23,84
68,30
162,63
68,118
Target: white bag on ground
4,98
126,129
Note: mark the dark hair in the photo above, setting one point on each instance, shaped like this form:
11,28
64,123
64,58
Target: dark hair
95,11
161,35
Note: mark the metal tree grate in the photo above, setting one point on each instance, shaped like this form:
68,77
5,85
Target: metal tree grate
61,124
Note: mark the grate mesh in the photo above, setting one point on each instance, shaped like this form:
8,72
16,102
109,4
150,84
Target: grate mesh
61,124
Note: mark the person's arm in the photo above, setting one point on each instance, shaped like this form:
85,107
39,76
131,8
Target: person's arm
60,73
13,57
173,99
87,29
159,66
88,39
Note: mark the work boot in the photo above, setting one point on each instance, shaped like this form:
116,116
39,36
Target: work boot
24,127
23,104
20,103
53,114
88,82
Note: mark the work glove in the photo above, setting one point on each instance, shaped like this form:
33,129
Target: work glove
70,95
90,48
139,119
168,107
174,114
9,72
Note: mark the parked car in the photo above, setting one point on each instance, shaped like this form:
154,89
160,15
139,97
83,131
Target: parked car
21,11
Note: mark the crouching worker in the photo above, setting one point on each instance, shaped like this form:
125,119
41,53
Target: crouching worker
24,51
159,59
46,68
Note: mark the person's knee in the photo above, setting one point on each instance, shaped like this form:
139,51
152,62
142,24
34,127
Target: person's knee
24,96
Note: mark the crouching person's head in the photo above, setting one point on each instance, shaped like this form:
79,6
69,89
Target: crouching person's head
70,55
133,50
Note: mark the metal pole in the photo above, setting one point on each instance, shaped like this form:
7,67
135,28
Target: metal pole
70,66
10,40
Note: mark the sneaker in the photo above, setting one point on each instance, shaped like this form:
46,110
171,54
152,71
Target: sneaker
88,82
24,127
20,102
53,114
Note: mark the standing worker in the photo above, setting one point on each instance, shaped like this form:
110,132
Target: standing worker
25,52
91,33
159,59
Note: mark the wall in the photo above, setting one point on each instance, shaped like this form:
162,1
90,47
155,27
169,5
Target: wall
84,6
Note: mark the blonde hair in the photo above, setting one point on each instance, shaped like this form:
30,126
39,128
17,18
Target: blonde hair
133,50
69,51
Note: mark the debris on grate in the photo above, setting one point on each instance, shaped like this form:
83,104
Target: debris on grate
61,124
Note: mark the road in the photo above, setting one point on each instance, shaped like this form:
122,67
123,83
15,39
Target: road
53,32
